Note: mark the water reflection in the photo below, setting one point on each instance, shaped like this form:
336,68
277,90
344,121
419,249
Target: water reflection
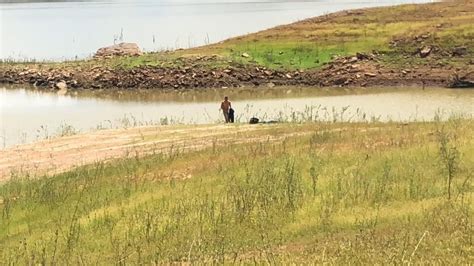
26,115
215,95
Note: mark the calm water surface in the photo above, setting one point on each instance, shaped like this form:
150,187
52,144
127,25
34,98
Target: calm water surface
58,30
27,115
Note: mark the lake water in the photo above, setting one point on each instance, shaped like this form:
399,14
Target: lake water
27,115
58,30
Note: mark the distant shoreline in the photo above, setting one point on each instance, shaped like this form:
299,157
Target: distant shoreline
407,45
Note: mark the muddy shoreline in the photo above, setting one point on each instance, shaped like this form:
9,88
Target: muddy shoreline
357,71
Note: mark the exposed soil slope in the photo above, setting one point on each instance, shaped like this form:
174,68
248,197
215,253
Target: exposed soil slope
61,154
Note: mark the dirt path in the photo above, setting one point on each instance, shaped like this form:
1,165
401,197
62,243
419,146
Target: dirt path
62,154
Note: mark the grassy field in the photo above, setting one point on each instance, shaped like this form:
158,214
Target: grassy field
396,32
347,193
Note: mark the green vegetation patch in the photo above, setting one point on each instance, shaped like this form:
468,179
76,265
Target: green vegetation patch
303,55
312,42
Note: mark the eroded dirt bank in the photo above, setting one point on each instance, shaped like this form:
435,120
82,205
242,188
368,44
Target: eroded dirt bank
361,70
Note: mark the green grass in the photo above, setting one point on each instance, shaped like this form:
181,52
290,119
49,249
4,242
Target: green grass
298,55
348,193
310,43
310,49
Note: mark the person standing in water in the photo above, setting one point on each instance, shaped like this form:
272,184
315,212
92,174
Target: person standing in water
225,106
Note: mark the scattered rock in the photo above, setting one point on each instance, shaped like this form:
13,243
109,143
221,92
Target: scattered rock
459,51
370,75
361,56
61,85
121,49
192,74
425,51
245,55
340,81
352,60
270,84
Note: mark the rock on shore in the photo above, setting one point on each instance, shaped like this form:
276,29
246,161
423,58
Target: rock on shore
121,49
